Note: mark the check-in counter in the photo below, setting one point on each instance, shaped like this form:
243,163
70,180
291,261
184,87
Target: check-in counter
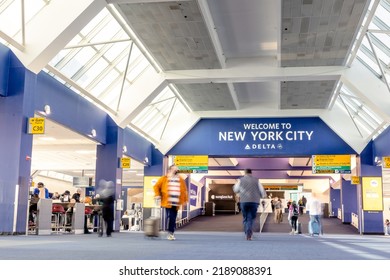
78,218
44,217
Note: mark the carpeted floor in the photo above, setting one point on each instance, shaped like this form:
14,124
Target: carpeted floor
233,223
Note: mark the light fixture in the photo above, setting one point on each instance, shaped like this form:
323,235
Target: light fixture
378,161
47,109
146,160
93,133
124,149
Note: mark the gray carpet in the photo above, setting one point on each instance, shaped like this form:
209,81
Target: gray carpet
233,223
194,246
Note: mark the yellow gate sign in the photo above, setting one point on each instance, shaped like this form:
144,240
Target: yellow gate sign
386,162
36,126
355,180
125,162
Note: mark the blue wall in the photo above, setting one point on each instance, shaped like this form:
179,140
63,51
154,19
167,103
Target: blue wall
137,147
381,145
349,200
335,199
5,57
69,109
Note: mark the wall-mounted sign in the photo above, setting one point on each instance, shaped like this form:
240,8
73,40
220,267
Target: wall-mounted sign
386,162
36,126
149,182
125,162
82,182
334,164
372,194
192,164
355,180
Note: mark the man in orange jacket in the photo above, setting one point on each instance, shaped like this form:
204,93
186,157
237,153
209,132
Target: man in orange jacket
172,190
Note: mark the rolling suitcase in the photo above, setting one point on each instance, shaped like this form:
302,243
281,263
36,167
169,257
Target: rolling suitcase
299,228
315,228
152,224
152,227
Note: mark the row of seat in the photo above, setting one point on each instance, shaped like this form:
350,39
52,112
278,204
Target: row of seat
60,218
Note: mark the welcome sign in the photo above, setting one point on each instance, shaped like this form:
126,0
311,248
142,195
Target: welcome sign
264,136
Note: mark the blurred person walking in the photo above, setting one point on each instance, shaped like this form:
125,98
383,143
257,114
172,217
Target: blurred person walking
107,199
250,191
172,190
293,213
315,212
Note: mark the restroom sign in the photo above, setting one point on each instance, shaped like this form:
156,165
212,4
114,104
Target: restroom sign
36,126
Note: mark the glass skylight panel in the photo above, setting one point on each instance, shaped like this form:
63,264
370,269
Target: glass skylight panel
369,62
137,69
117,49
365,118
94,22
380,41
153,118
11,15
383,13
102,85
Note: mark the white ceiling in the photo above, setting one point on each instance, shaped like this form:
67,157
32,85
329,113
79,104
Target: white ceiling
226,58
188,35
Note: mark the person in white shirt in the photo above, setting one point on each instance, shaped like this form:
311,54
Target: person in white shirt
315,212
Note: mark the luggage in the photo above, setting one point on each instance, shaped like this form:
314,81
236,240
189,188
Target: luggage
315,228
152,227
209,209
152,224
299,228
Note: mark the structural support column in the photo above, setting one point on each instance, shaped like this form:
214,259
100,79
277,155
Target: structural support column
15,148
349,203
372,221
107,163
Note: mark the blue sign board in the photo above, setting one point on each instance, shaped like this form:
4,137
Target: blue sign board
261,137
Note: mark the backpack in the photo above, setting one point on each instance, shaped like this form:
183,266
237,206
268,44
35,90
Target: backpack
295,211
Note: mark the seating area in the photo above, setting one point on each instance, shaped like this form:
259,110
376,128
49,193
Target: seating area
58,218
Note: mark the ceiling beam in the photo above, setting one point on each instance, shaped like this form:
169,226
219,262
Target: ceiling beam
260,73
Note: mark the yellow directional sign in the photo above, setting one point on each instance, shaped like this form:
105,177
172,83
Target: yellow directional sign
36,125
192,164
339,164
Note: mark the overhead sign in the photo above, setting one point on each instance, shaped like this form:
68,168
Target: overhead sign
281,187
36,126
372,194
261,137
334,164
192,164
386,162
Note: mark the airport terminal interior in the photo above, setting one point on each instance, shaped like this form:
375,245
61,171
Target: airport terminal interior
118,90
